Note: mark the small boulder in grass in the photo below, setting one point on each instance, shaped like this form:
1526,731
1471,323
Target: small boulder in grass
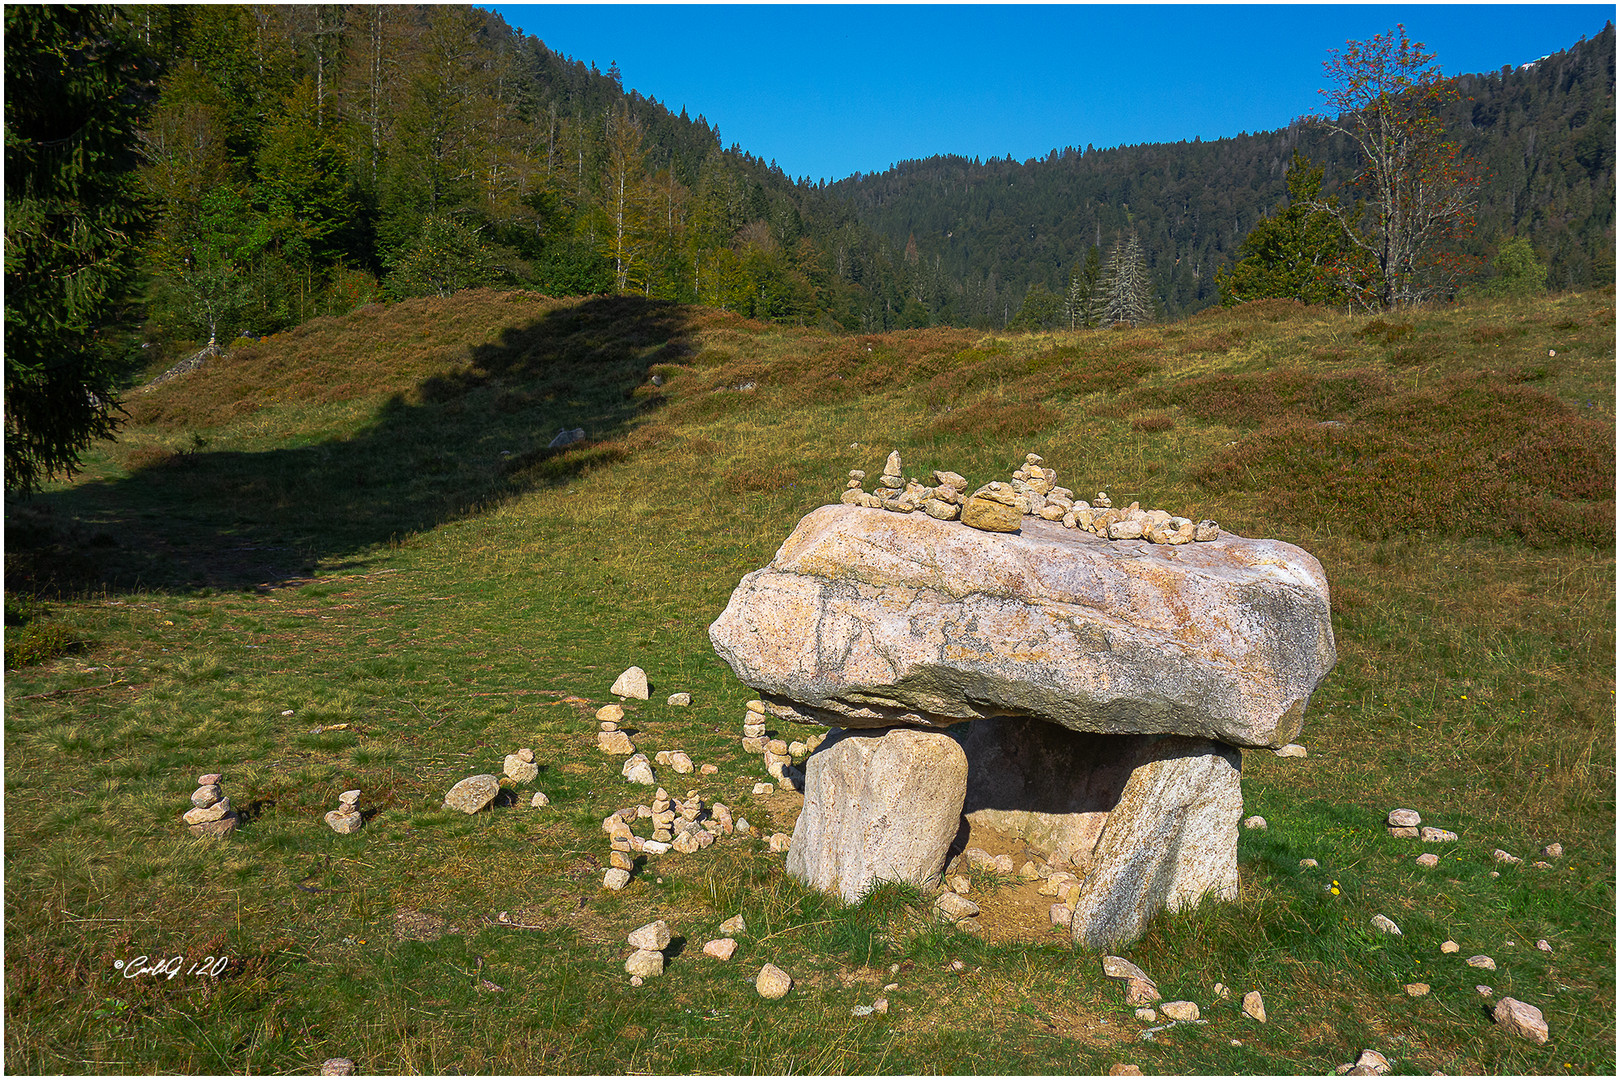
1374,1061
1520,1019
1416,989
610,714
720,948
1253,1006
1449,946
1147,1015
1482,962
1553,851
772,982
1543,946
654,936
1404,818
1385,925
734,925
631,684
1428,860
473,794
1254,822
680,701
1503,857
616,878
645,963
1292,750
1180,1010
1430,835
337,1067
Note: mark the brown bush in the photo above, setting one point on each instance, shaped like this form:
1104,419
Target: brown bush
1253,399
993,419
1474,456
1161,421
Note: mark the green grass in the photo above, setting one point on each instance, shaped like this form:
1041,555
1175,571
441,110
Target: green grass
359,523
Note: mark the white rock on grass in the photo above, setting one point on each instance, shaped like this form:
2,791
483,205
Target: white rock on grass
631,684
610,714
654,936
1292,750
1430,835
1254,822
1253,1006
1553,851
1372,1059
1503,857
720,948
1308,864
1405,818
1428,860
1061,915
680,701
473,794
1543,946
1147,1014
734,925
1521,1019
1383,924
681,762
772,982
645,963
614,742
1416,989
1481,961
780,842
616,878
337,1067
1180,1010
1449,946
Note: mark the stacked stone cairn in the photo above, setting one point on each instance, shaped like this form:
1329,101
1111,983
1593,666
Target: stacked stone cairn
346,818
779,754
649,941
685,826
520,766
1033,491
609,739
210,813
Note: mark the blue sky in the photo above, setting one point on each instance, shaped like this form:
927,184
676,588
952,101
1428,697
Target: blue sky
829,90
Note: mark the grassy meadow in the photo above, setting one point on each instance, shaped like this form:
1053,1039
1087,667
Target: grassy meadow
343,557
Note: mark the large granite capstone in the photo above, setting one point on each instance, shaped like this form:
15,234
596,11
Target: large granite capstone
867,618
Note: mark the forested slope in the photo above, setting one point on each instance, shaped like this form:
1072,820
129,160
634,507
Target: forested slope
1543,136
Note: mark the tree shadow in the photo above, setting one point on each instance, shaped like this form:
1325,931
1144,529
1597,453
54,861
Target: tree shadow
456,445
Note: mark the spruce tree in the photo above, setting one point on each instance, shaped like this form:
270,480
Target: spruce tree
1128,295
72,214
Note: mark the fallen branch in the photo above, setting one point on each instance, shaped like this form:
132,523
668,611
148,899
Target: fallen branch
78,690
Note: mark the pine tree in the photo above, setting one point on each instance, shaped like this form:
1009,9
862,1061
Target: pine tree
1081,305
1298,253
1128,294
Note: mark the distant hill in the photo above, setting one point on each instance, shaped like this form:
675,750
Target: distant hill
1544,134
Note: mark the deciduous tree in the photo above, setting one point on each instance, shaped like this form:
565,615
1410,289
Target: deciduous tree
1416,190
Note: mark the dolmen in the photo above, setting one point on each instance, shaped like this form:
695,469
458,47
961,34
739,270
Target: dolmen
1104,689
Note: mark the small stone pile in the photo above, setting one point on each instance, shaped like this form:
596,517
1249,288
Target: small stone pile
778,753
685,826
1032,492
649,941
609,739
678,760
754,739
1403,824
346,818
210,813
521,767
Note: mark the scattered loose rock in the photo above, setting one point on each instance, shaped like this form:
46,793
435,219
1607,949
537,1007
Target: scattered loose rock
1292,750
1147,1014
540,799
1380,922
1430,835
1405,818
473,794
1543,946
773,982
1309,863
955,907
337,1067
1180,1010
1124,1070
720,948
614,742
1428,861
616,878
1521,1019
1449,946
679,700
645,963
631,684
1553,851
1481,961
653,937
1253,1006
1374,1061
520,766
1416,989
734,925
1254,822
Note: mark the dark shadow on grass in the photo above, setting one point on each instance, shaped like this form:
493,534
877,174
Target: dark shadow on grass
456,445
